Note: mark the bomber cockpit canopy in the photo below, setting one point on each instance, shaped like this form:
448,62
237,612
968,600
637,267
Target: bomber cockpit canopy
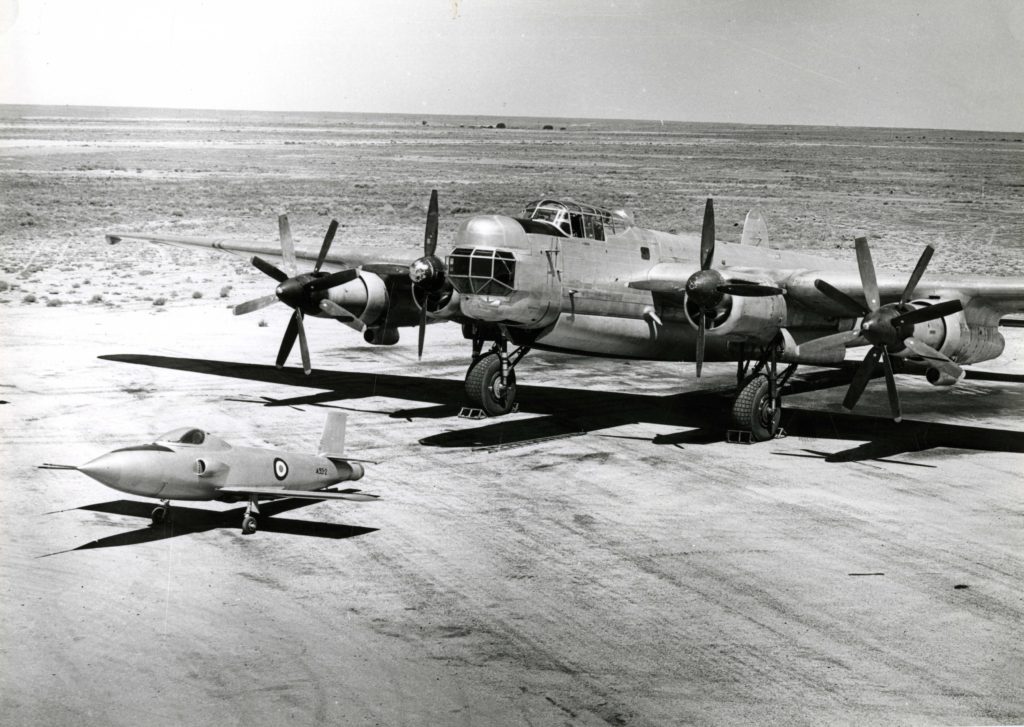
572,219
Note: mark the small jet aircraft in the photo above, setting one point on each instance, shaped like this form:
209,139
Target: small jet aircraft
575,278
190,464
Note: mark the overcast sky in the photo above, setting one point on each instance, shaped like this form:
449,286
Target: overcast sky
934,63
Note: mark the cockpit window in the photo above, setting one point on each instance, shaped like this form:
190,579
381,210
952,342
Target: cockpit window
482,271
186,435
577,220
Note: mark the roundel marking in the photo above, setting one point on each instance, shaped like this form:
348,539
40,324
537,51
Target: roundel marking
280,468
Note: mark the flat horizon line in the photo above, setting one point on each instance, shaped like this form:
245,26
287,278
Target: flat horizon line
497,117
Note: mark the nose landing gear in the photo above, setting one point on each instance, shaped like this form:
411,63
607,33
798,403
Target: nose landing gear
160,512
491,378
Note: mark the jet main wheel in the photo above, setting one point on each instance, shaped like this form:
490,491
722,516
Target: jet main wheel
755,411
159,514
248,525
484,389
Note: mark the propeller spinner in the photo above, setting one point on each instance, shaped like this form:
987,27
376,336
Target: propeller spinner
888,328
303,293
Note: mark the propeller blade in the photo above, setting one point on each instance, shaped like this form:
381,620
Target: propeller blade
430,236
287,341
915,277
890,385
267,269
423,328
700,343
749,290
324,248
862,377
852,307
303,346
867,274
844,339
707,236
329,281
287,244
937,359
335,311
251,305
928,313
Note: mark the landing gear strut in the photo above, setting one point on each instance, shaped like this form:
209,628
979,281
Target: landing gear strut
757,408
491,377
160,512
251,511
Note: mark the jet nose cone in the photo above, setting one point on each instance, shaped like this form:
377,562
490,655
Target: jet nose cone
107,468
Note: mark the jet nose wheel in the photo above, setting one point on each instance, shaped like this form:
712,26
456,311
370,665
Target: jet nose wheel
248,525
159,514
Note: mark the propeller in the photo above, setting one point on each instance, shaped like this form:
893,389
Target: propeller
888,328
706,289
428,274
300,292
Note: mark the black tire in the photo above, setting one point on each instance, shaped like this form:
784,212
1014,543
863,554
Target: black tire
482,382
248,525
753,410
158,515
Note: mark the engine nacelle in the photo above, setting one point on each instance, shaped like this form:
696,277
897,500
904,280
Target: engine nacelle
745,318
366,297
952,336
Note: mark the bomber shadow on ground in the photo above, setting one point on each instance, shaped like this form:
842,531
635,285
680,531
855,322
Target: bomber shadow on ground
184,520
567,412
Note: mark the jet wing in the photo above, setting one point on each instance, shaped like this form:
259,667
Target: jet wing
371,258
353,495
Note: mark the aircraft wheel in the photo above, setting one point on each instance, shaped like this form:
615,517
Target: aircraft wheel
248,525
484,389
158,515
755,411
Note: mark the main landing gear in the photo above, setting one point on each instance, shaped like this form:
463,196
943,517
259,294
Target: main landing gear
251,511
491,377
757,409
160,512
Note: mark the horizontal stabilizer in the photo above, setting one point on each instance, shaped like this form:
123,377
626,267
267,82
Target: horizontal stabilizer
353,495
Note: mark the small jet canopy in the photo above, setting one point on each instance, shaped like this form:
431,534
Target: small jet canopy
184,435
573,219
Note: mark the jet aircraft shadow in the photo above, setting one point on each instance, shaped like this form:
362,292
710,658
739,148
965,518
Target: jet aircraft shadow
567,412
184,520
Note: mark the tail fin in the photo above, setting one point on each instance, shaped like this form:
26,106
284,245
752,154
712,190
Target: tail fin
332,442
755,231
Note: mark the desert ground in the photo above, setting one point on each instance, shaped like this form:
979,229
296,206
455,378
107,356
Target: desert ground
600,557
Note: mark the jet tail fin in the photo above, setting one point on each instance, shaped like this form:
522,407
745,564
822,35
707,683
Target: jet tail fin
332,441
755,231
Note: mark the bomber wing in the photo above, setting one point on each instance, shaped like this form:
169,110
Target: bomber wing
353,495
349,258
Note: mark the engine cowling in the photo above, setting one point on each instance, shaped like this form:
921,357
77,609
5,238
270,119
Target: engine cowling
745,318
954,337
